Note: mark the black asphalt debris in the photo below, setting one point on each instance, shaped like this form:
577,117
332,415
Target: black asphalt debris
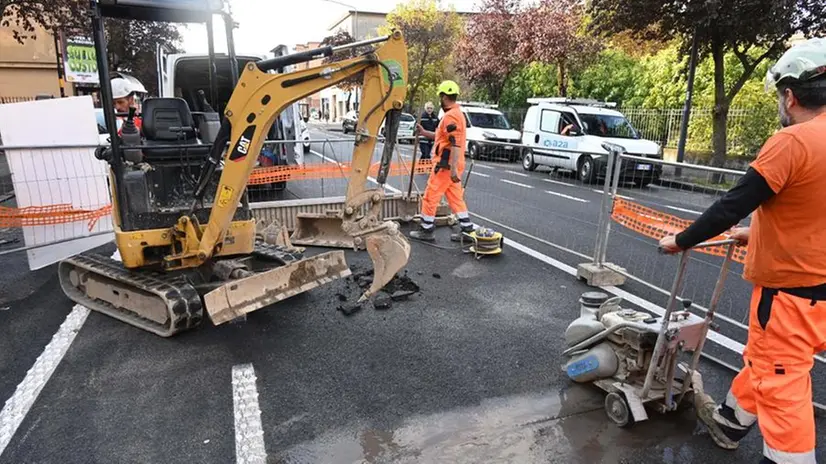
341,297
382,302
401,295
349,309
436,275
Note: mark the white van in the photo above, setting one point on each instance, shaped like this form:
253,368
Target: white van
569,133
486,124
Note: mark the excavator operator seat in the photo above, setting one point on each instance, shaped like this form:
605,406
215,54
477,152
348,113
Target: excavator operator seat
168,121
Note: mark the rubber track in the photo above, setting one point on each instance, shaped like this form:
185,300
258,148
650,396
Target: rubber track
184,307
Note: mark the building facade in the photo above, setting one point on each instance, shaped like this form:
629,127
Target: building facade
28,69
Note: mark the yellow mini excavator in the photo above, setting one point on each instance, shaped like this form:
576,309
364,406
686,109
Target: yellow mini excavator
183,226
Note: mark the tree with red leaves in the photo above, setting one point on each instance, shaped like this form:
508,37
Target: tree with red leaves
485,55
551,32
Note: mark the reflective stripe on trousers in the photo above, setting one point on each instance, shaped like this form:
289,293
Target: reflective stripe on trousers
775,386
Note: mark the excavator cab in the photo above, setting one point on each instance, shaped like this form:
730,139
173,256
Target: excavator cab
186,236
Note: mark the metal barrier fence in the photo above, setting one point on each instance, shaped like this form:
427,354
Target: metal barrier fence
53,194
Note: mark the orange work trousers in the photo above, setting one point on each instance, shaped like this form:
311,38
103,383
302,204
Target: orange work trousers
439,184
775,386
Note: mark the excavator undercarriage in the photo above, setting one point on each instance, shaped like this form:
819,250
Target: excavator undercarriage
186,237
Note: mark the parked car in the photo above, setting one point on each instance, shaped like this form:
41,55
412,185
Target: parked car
489,134
348,124
407,126
569,133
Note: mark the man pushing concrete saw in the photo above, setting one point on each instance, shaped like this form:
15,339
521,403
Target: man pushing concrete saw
786,262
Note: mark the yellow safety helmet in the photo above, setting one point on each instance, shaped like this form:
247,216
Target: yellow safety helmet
449,88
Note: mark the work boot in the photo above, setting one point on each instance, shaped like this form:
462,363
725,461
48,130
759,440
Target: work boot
425,235
706,409
462,230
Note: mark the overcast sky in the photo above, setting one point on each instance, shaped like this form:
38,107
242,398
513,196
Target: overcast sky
263,24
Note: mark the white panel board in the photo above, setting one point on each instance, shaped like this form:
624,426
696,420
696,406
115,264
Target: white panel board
51,176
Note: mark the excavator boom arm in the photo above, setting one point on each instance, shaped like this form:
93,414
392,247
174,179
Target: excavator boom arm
259,97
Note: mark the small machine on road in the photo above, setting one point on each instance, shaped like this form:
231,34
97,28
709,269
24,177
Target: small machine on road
639,359
184,228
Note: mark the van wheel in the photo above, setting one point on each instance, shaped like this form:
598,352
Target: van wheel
473,151
585,170
527,161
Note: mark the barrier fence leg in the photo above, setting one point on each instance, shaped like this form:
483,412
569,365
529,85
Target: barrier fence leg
596,273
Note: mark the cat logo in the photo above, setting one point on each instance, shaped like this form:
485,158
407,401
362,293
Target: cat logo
243,145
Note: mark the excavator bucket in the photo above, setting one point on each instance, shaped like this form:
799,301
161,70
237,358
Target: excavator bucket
242,296
322,230
389,252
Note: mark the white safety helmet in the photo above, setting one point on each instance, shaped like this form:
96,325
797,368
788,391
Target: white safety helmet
124,86
803,62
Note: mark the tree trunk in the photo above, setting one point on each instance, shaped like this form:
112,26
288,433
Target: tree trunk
349,96
721,106
562,79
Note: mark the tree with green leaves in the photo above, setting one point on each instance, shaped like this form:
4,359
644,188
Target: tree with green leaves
721,26
431,34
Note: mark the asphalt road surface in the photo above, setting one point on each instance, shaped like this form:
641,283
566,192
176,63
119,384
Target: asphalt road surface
467,370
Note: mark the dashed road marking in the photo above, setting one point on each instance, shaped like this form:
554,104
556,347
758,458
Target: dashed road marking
479,174
569,197
624,197
557,182
249,433
516,183
689,211
29,389
520,174
485,166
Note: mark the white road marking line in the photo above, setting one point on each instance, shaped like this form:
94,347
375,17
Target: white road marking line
485,166
371,179
581,200
690,211
249,433
28,390
621,196
520,174
516,183
479,174
721,340
557,182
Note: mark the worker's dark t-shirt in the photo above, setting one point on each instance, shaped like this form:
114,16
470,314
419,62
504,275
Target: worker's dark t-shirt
430,121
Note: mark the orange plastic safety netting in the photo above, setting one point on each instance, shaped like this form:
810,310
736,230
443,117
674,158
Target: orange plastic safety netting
66,213
271,174
655,224
50,215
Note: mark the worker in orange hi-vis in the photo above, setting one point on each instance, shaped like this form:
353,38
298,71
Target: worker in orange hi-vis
786,262
445,180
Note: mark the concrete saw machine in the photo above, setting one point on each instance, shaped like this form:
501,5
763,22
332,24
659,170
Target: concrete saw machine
638,359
